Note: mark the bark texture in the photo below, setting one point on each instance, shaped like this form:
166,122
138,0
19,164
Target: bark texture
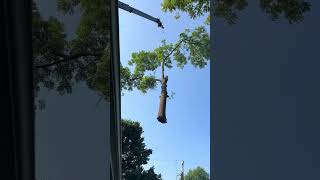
163,100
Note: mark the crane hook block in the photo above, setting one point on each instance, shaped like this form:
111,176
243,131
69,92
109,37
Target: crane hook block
160,24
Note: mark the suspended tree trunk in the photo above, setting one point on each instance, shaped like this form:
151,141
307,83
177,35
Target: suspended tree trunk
163,97
163,100
164,94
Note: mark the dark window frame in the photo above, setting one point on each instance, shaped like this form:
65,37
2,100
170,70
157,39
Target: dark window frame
115,133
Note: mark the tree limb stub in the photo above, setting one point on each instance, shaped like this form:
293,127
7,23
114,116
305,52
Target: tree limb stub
163,99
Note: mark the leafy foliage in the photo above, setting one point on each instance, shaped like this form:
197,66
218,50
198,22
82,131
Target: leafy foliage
197,174
135,154
229,9
59,62
292,10
100,80
191,47
194,8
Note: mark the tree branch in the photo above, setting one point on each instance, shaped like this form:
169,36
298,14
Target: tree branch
136,78
68,58
175,48
162,69
139,77
165,58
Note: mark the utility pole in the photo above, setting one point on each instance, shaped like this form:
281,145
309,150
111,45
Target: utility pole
182,171
130,9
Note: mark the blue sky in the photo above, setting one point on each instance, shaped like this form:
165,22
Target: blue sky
186,136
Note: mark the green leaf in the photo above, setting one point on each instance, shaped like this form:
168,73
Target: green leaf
147,82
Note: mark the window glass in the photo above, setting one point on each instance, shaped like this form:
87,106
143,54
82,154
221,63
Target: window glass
72,86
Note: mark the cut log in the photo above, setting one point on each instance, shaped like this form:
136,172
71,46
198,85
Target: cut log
163,99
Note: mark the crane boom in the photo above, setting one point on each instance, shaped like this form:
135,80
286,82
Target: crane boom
130,9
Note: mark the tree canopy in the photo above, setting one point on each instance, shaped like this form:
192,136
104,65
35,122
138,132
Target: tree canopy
292,10
197,173
61,62
193,45
135,154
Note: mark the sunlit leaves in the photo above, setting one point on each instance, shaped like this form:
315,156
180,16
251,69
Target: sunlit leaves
192,46
144,61
198,46
292,10
180,58
147,82
194,8
207,21
163,52
126,80
197,173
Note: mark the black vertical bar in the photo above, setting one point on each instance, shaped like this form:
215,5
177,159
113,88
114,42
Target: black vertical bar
6,128
115,131
19,38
